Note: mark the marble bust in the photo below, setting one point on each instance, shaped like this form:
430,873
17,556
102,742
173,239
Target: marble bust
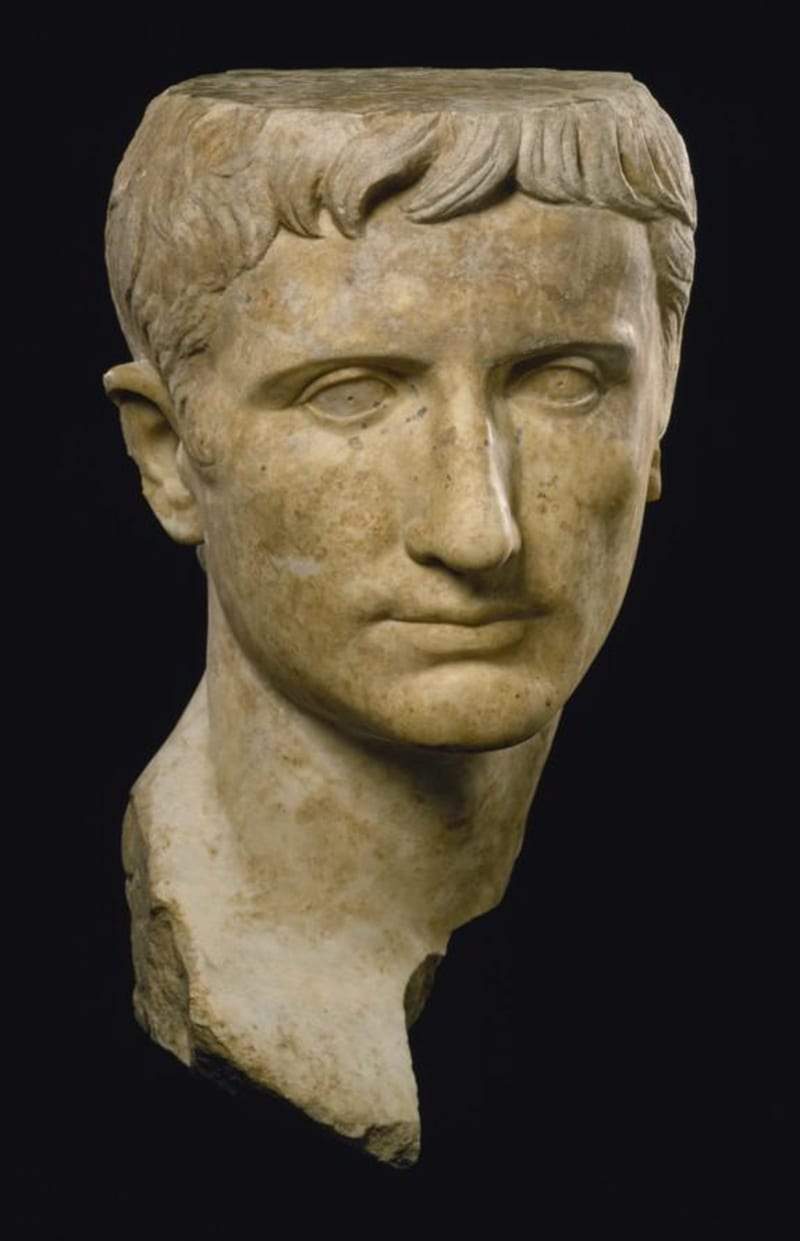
404,346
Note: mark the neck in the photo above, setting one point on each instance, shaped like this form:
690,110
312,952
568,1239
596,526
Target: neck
336,831
292,888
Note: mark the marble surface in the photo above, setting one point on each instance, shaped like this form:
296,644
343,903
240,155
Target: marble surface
404,344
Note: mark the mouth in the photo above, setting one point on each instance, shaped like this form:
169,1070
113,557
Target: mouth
461,635
486,613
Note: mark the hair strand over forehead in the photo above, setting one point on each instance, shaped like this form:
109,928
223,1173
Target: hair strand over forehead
207,182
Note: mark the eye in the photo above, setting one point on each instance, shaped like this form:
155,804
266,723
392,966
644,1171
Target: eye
565,384
347,396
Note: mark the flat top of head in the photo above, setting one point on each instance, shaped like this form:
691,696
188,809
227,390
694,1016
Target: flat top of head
405,90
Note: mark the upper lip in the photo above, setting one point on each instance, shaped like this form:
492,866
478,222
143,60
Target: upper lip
472,618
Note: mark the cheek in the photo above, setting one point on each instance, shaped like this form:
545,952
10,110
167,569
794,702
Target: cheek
582,508
295,516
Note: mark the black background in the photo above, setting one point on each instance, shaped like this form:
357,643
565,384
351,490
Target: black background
606,1051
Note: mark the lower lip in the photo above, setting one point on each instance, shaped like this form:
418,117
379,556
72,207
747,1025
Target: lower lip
461,640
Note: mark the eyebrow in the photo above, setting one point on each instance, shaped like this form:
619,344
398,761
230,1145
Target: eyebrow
617,333
616,356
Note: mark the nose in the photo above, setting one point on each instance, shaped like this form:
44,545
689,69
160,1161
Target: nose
463,517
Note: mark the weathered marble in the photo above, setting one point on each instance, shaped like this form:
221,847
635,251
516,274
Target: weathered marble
404,346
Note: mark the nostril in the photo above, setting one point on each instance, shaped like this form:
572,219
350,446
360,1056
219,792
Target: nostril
464,547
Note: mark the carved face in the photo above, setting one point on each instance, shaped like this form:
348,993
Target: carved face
432,453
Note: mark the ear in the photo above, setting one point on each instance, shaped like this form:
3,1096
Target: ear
148,425
654,479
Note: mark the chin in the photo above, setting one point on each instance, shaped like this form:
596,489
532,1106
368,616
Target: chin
464,708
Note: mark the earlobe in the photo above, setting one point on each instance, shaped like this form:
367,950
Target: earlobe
151,438
654,479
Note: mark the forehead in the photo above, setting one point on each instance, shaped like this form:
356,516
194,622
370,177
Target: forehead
505,278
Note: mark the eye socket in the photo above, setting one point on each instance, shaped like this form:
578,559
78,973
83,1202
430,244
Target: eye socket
567,384
347,396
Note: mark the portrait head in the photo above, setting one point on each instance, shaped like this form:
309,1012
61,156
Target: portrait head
403,358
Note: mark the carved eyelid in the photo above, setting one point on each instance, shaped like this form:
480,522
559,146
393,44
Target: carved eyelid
607,363
576,362
348,374
522,387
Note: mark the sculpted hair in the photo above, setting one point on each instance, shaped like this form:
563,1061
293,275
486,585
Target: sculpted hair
216,168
